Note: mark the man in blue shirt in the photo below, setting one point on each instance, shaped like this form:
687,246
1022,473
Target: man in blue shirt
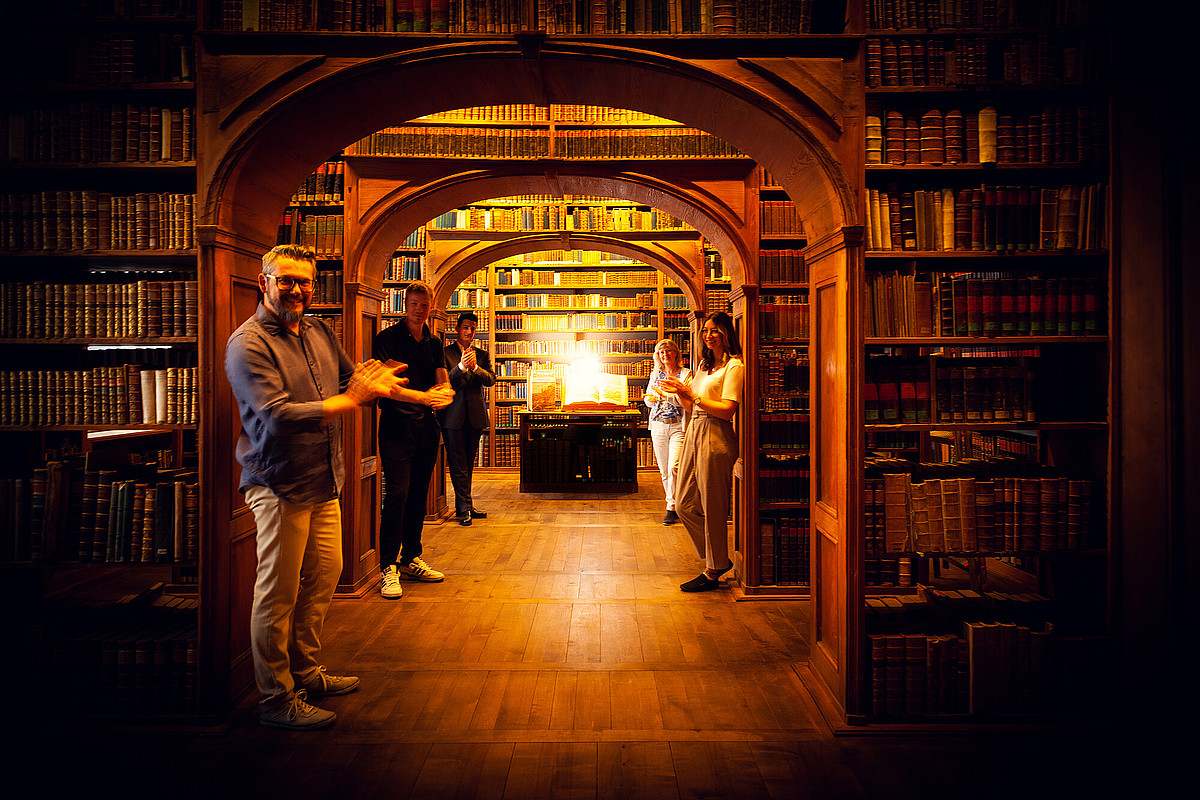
293,382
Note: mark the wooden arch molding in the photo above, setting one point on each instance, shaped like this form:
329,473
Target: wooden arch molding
269,119
465,256
712,200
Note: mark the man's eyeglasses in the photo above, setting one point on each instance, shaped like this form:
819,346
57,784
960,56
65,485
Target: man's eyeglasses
286,282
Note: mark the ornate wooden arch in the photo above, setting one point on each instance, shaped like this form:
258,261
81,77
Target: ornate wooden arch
465,256
270,119
392,198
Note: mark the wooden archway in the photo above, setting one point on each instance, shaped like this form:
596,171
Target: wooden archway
267,119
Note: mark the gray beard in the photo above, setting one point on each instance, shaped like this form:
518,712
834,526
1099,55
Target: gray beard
292,316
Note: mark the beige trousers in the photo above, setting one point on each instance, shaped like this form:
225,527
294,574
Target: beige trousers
299,563
710,448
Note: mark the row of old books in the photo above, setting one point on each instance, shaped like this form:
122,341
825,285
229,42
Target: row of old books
570,349
324,233
911,14
573,278
87,133
70,509
991,668
783,478
943,610
676,321
116,59
85,220
325,186
896,392
589,300
142,309
992,218
783,369
557,217
994,391
454,142
782,266
507,449
900,303
555,112
645,454
468,299
784,549
409,267
783,431
779,219
120,395
640,143
134,657
716,300
554,17
963,61
539,323
992,512
441,141
888,571
328,289
931,136
783,316
578,257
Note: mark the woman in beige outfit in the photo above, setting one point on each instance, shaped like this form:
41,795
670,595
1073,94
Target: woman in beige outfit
710,447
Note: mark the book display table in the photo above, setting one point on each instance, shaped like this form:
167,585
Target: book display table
563,451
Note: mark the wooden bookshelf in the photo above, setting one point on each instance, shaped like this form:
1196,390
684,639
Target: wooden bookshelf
986,166
104,364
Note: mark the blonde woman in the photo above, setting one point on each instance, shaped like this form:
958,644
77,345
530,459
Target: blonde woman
667,418
710,447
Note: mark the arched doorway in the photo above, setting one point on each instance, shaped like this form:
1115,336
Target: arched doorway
274,118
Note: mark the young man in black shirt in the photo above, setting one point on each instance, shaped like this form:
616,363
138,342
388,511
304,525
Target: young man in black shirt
409,438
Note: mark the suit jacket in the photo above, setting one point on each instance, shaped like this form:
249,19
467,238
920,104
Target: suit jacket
468,408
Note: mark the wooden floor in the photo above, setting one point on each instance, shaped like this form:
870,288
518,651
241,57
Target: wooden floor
560,660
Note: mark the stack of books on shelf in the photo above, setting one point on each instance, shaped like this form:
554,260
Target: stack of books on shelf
783,478
783,316
997,218
1036,59
127,394
784,549
779,219
406,267
81,508
85,220
782,266
328,288
325,186
983,304
142,309
976,507
95,133
322,232
135,657
115,59
1045,135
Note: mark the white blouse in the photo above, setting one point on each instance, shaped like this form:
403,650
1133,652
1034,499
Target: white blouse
723,383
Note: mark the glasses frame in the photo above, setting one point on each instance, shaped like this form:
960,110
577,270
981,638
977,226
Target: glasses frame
295,283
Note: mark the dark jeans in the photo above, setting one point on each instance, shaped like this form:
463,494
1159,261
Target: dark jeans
462,446
408,450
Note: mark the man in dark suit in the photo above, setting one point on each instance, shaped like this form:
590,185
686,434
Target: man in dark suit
466,418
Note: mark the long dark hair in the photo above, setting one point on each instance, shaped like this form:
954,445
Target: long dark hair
729,338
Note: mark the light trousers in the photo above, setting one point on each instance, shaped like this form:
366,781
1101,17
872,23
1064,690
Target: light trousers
667,438
299,563
710,448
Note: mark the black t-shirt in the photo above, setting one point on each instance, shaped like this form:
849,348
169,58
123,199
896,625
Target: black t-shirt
423,357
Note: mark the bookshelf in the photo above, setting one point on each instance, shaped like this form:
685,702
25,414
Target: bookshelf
484,16
986,362
103,367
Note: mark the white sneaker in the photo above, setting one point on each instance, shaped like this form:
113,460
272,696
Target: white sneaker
390,588
418,570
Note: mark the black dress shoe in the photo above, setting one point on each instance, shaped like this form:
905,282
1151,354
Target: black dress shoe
464,520
478,514
700,583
